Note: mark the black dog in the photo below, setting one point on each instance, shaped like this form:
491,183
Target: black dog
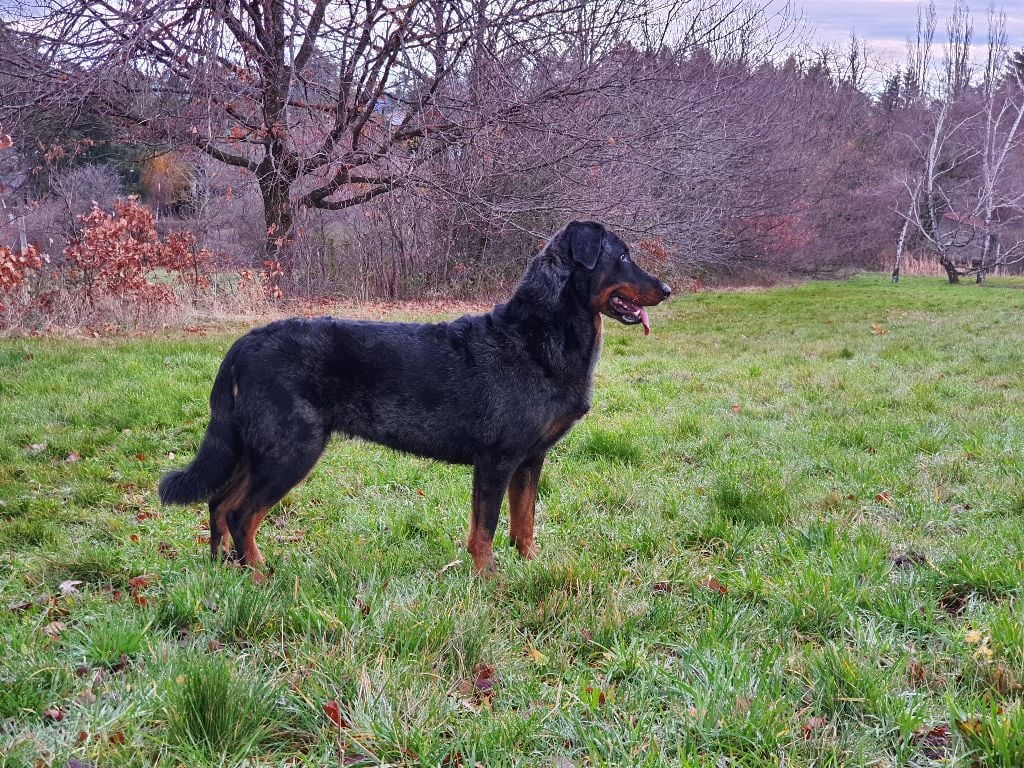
494,391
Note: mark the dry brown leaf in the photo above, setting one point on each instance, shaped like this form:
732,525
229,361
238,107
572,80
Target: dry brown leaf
811,725
710,582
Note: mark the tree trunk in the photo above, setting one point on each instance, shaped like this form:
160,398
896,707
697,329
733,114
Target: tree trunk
986,252
899,251
275,188
951,271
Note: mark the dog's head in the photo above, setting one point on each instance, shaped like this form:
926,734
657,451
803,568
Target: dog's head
615,285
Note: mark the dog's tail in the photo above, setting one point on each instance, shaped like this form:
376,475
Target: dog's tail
219,453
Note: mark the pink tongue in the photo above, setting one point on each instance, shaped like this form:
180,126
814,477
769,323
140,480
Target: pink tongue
645,320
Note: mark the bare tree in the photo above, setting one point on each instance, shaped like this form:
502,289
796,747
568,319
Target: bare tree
999,189
966,198
916,78
917,72
957,51
325,105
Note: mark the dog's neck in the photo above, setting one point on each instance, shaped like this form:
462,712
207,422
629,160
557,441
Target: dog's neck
551,315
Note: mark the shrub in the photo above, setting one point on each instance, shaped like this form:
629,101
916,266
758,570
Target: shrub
116,253
14,266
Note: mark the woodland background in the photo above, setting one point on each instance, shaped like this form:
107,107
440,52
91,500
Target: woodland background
233,152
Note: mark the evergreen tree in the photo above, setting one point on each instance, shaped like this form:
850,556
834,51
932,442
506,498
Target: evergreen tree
889,99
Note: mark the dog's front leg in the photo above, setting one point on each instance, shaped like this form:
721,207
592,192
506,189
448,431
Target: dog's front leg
522,500
489,484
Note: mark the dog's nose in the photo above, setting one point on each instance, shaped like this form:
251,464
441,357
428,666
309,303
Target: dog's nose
666,290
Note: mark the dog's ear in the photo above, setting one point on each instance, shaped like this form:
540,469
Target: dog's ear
582,241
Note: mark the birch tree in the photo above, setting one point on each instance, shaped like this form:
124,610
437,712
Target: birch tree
1000,189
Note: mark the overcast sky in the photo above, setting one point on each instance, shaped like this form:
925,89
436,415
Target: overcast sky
886,24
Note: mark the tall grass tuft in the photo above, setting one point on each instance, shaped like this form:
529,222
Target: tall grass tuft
213,710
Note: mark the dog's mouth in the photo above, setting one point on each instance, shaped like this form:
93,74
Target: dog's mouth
628,312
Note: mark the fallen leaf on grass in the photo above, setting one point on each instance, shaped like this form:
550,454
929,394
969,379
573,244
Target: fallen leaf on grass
87,697
661,587
811,725
53,629
140,582
878,330
934,742
972,726
884,497
333,712
72,457
595,697
736,408
166,550
56,714
709,582
484,678
917,673
537,656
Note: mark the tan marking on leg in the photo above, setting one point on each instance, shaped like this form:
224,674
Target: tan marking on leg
251,555
234,499
480,547
522,500
482,551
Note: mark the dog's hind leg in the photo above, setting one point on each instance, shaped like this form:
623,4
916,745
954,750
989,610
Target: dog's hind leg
522,499
489,485
271,477
221,505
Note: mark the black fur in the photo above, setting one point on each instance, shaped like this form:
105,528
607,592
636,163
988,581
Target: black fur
493,391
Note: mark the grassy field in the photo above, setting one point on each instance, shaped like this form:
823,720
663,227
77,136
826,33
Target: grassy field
790,533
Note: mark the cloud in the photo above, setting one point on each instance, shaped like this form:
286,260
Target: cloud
886,24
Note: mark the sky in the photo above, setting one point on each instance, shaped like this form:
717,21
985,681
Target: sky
886,24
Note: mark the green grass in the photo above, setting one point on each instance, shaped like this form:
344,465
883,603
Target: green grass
844,460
